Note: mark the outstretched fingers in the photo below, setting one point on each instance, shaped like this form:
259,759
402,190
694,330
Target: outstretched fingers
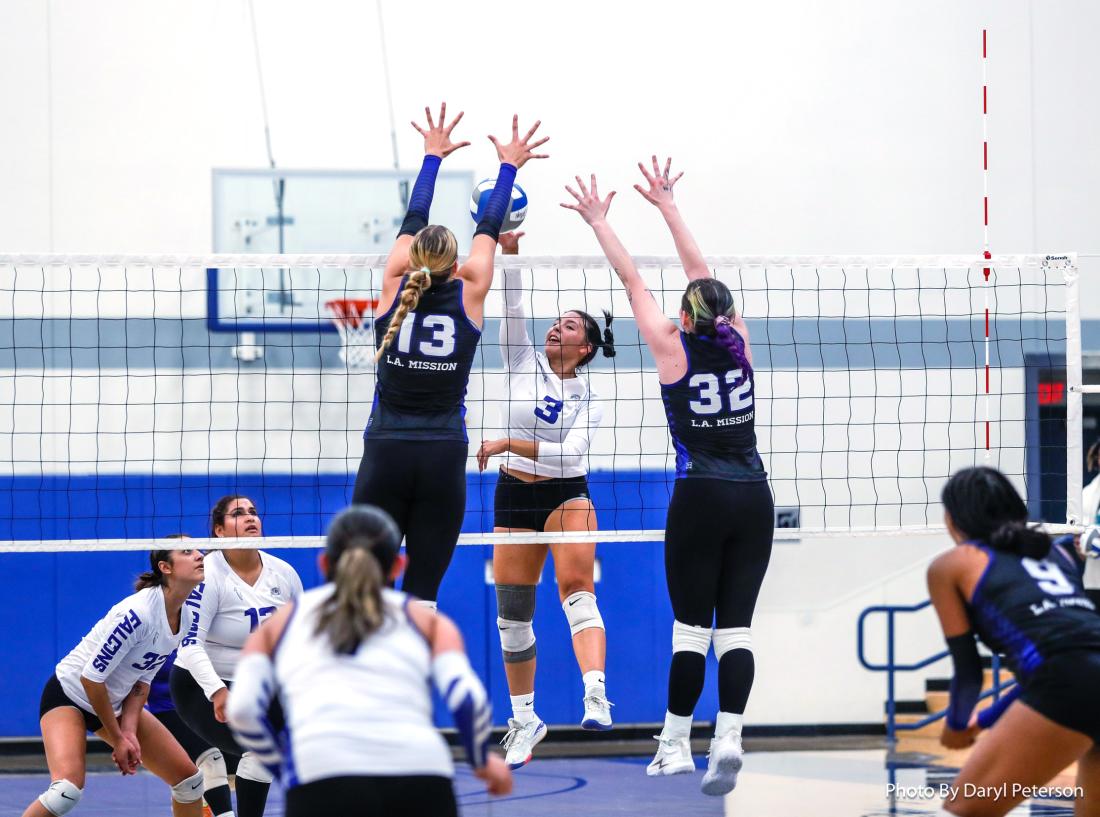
580,184
531,132
457,119
645,173
428,114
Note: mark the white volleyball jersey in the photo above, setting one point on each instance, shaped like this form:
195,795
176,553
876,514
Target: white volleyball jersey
126,647
364,714
230,610
563,415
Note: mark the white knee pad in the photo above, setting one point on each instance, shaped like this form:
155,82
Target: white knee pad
581,611
731,638
188,790
251,768
212,765
517,640
686,638
60,798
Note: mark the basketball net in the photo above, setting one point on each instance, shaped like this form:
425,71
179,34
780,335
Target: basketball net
354,318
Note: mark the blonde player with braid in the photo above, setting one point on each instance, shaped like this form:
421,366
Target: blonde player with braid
415,445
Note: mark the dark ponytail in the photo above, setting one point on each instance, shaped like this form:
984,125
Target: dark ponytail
154,577
984,506
362,545
709,304
599,340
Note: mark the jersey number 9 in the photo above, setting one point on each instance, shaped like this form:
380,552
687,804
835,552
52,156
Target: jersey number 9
440,344
1049,577
711,392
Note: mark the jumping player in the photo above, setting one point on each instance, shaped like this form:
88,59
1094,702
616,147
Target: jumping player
415,445
714,563
102,684
243,588
551,415
353,661
1006,584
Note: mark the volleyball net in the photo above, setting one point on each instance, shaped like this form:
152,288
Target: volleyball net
136,391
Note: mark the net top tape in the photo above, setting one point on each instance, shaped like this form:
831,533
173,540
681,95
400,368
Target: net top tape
543,261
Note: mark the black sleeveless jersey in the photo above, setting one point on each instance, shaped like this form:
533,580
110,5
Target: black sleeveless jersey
711,415
1030,609
423,374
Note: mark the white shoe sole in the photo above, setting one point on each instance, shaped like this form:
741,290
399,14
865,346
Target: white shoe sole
724,779
667,771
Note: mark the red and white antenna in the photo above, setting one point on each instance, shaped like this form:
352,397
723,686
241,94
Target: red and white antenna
985,230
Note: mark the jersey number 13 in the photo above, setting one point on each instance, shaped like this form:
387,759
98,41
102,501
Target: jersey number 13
442,340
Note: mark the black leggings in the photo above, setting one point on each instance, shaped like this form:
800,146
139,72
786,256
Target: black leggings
422,485
718,541
414,795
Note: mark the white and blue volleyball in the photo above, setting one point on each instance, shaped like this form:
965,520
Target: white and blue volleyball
517,208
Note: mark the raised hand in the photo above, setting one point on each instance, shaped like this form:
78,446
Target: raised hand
509,242
437,138
518,151
659,193
589,204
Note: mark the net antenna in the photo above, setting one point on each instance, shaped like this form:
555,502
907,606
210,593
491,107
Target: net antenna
354,319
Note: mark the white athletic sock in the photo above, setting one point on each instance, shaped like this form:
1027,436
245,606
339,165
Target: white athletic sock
523,707
676,727
226,814
727,722
594,679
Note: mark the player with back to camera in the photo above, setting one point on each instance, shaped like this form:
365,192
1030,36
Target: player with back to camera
415,444
243,588
102,684
209,759
354,661
714,562
551,415
1005,583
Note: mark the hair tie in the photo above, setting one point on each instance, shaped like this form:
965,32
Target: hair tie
722,320
426,270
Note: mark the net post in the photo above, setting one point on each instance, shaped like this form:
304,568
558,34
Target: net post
1074,399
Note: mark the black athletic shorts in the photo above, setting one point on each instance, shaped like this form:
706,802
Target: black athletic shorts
1064,689
53,696
528,505
414,796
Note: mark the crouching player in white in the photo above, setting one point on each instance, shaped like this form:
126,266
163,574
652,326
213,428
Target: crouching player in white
102,684
352,662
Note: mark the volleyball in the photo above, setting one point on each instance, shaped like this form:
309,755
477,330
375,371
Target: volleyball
517,209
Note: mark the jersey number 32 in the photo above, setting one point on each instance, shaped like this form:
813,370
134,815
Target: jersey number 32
711,392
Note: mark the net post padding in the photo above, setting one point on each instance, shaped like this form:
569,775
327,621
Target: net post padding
1074,400
354,318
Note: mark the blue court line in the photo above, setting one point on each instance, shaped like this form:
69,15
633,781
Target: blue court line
576,783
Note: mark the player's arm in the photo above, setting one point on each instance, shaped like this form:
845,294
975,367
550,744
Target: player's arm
477,271
569,453
944,588
191,654
657,330
659,194
515,344
254,688
437,146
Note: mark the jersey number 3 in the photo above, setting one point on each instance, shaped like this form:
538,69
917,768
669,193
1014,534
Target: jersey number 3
550,412
440,344
711,392
1048,576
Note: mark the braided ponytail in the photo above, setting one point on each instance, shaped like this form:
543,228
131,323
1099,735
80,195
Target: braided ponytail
418,282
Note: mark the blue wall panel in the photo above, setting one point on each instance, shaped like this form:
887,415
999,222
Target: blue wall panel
54,599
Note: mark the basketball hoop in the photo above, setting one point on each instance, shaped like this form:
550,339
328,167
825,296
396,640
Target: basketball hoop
354,318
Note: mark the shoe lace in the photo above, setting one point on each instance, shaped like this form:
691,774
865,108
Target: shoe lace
598,701
510,737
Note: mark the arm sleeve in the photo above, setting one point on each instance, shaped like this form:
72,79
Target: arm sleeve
192,649
988,717
469,705
573,451
515,344
420,202
966,684
246,710
492,217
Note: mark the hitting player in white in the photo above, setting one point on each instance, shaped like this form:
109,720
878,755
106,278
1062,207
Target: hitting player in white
242,589
102,684
551,415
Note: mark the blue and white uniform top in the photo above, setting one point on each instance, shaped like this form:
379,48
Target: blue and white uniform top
364,714
230,610
423,374
1031,609
126,647
711,414
562,415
